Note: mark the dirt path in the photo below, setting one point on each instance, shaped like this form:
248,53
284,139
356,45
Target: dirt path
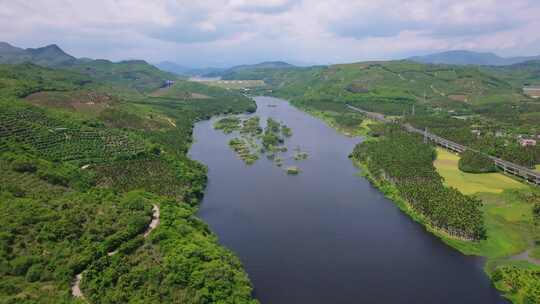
524,256
171,122
155,221
76,287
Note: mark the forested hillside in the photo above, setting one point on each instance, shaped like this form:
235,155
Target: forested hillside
131,74
480,107
84,156
520,74
402,161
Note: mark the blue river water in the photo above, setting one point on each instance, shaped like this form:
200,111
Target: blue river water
325,235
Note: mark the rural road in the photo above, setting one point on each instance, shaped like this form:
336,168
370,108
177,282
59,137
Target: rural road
76,287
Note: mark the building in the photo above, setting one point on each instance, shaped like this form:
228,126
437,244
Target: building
476,132
526,142
168,83
533,92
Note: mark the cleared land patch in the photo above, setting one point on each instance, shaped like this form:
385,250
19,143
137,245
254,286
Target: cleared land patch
81,101
469,183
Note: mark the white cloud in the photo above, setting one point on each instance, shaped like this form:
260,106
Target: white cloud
225,32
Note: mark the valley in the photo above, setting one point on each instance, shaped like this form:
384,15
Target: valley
255,178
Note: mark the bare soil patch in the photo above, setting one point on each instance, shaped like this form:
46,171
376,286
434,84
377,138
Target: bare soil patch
459,97
81,101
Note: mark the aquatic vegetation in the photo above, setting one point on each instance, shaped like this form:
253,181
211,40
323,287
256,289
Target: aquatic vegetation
254,141
286,131
271,139
300,156
228,124
293,170
240,146
251,126
272,125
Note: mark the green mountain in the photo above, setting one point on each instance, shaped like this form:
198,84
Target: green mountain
177,69
86,155
520,75
133,74
391,87
469,58
50,55
249,69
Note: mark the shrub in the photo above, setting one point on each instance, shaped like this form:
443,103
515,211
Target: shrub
475,162
24,164
34,273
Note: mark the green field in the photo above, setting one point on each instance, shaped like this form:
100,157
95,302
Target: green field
507,217
469,183
508,210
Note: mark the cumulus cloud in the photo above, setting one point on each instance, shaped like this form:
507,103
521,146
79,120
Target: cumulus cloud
225,32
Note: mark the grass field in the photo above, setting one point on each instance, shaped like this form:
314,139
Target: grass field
537,168
508,218
468,183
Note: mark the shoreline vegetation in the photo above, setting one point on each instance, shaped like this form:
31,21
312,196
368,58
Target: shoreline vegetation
477,107
509,231
512,232
403,164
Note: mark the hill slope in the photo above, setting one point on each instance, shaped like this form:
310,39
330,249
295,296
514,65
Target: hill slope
50,55
177,69
391,87
133,74
250,68
81,166
520,74
469,58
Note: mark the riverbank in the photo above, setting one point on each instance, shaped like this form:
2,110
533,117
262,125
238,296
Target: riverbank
392,193
508,221
349,218
331,119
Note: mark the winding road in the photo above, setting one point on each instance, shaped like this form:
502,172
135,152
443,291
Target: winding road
76,287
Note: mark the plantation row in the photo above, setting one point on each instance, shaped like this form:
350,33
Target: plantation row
77,183
402,160
183,181
60,141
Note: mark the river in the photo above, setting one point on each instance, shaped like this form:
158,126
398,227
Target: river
326,235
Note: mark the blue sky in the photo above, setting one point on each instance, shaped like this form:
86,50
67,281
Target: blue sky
223,33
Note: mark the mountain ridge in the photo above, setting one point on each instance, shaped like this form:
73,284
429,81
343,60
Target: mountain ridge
464,57
50,56
137,74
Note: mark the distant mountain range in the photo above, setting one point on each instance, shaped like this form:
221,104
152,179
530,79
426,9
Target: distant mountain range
50,55
251,68
181,70
470,58
216,72
137,74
